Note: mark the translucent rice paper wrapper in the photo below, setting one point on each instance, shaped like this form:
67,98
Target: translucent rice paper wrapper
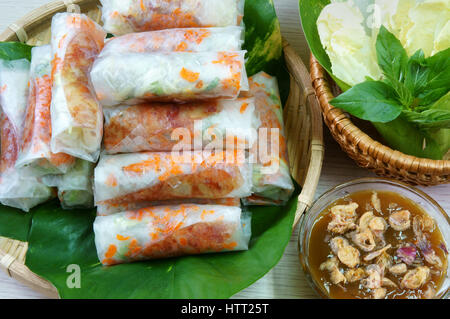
35,150
348,31
222,124
272,183
23,191
127,16
18,188
133,78
75,189
14,76
77,118
144,177
170,231
105,210
188,40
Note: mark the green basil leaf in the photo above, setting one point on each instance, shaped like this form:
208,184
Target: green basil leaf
443,103
393,60
438,83
440,69
403,93
433,118
436,116
428,96
417,73
15,51
372,101
392,57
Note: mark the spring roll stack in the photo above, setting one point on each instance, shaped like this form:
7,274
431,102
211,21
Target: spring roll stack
157,129
166,185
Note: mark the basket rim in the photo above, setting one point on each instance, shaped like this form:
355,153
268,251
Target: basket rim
17,31
299,77
377,150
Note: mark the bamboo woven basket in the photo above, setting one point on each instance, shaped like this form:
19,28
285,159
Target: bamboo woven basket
302,118
367,152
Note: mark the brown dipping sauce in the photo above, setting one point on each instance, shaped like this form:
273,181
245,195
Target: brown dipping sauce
431,241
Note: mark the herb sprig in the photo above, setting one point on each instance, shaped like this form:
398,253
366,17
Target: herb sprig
414,88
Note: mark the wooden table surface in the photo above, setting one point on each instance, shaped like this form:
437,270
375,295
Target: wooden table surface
286,280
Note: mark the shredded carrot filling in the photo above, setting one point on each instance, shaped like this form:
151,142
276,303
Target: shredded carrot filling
109,261
154,236
181,47
133,248
9,144
226,58
60,44
243,107
199,84
111,180
122,238
175,19
141,167
198,37
189,75
112,249
231,245
56,65
206,212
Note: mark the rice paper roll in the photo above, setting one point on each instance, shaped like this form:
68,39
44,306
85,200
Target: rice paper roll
77,118
18,188
75,189
105,210
144,177
188,40
170,231
134,78
14,77
35,142
127,16
158,127
272,183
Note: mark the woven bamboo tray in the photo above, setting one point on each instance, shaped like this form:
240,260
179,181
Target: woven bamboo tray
301,112
367,152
